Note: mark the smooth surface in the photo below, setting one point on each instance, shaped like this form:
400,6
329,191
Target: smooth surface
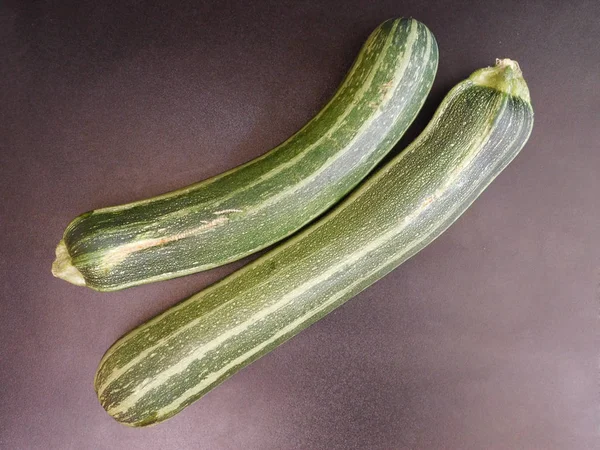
243,210
486,339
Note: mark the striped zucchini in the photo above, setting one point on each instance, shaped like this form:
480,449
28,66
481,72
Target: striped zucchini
164,365
259,203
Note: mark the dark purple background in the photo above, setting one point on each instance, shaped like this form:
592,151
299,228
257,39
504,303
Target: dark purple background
488,339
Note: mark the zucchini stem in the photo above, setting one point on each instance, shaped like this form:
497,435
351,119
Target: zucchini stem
62,266
505,76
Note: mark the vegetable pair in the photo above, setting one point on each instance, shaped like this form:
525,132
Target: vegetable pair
162,366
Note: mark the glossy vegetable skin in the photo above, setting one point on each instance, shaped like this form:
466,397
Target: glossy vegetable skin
164,365
259,203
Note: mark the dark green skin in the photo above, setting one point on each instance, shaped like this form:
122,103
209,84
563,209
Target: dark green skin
166,364
298,183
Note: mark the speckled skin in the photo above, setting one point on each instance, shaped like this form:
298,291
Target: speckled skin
259,203
164,365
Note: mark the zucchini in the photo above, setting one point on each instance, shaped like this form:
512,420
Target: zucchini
239,212
167,363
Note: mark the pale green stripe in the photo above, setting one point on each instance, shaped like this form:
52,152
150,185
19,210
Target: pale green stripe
187,189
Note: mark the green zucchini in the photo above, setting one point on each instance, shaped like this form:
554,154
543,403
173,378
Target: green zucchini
167,363
259,203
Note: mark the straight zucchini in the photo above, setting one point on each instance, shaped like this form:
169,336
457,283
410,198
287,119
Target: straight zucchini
167,363
239,212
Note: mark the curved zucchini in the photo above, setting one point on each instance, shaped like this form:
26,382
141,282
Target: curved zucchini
164,365
259,203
